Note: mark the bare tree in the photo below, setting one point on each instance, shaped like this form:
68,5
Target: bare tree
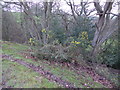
46,19
80,9
105,26
30,22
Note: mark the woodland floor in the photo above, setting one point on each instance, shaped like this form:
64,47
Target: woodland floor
21,70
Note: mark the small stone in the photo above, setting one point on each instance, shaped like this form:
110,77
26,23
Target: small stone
12,60
66,85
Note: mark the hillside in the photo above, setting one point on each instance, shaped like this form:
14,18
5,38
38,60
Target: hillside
21,70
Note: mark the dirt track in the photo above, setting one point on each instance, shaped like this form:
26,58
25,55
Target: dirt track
41,71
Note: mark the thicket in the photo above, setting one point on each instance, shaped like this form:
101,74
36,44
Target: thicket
70,46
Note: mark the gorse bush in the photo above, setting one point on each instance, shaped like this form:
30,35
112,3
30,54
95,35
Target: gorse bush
80,47
53,52
72,50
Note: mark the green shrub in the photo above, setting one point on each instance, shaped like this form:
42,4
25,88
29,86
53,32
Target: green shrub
52,52
109,55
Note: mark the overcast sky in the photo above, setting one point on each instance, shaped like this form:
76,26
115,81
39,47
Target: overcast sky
66,8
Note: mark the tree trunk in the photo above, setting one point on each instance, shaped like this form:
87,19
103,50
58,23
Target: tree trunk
104,29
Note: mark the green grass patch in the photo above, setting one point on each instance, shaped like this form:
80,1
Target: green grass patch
71,76
17,76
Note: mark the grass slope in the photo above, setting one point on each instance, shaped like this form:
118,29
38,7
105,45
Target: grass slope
16,75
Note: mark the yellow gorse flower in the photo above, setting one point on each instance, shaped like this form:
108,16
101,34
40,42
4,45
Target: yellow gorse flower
84,35
75,42
44,31
30,40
